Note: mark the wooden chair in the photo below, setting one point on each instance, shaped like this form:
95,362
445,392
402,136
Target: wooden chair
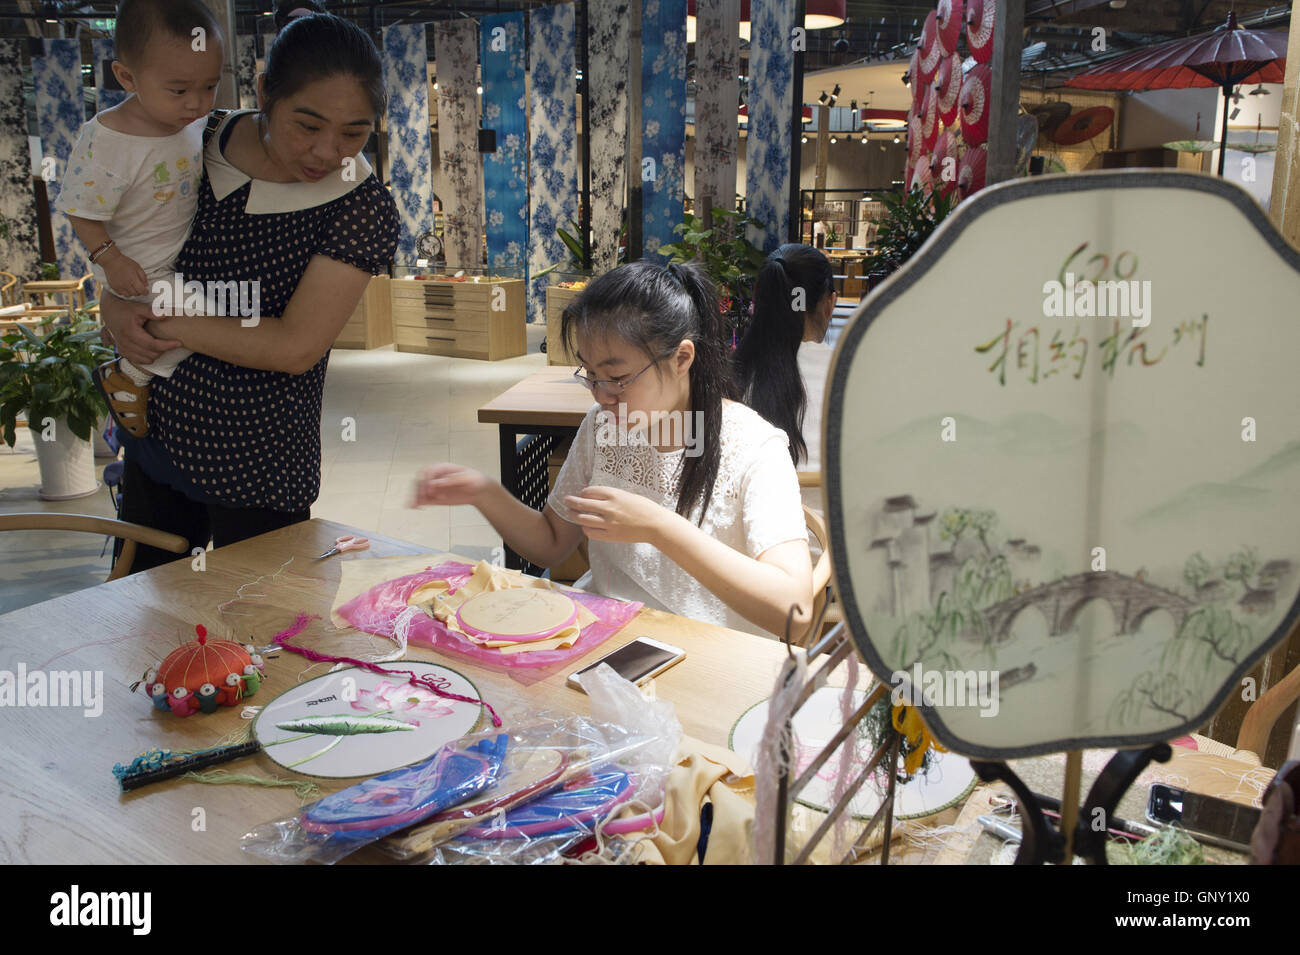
9,290
1266,711
130,534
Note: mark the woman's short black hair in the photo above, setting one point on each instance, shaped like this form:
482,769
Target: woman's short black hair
317,47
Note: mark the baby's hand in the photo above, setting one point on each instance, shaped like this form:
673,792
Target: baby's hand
125,277
449,484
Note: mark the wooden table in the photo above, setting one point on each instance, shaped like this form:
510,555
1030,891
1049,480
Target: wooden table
545,408
59,802
71,289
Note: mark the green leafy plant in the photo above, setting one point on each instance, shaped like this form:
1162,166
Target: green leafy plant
50,271
726,255
574,245
832,236
908,221
49,375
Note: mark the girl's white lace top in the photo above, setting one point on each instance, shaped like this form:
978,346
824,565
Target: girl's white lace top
755,505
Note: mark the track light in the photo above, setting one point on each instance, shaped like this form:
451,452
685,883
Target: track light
803,139
834,140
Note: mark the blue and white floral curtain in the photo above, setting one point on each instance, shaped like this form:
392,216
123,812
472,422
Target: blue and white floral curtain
455,46
105,98
410,149
20,245
606,118
717,95
663,115
553,153
60,113
771,96
246,71
503,56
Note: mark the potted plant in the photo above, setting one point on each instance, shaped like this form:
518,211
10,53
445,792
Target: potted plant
908,221
49,376
726,255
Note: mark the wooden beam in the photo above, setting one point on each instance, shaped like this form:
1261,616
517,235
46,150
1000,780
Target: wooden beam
1004,108
1284,204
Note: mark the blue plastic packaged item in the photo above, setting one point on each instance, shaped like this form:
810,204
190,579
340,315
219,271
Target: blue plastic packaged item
569,808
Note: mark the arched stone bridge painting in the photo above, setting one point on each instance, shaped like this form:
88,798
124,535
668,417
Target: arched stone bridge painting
1060,601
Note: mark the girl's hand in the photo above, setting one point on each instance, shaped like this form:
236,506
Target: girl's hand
449,484
610,514
125,276
126,322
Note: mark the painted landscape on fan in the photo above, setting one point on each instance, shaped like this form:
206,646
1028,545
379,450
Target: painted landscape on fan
1059,519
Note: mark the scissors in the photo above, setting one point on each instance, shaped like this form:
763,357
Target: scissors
345,543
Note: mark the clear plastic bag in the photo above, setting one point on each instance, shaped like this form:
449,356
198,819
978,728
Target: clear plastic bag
563,776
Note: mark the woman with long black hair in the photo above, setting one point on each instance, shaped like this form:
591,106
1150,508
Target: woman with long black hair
794,295
690,500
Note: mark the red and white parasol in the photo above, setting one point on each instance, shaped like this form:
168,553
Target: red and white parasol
930,119
979,28
947,86
944,165
949,23
975,105
970,177
929,50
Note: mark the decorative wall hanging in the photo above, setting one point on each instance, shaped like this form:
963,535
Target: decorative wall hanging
929,119
717,58
105,98
606,116
455,44
970,177
505,172
1063,516
663,116
354,723
410,150
553,150
60,113
929,50
771,99
944,162
17,210
246,71
947,86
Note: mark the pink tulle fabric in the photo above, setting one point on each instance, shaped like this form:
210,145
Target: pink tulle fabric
375,610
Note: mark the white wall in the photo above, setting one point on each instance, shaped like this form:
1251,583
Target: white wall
1161,116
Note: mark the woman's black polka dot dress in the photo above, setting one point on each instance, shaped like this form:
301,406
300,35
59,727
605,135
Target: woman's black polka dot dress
249,438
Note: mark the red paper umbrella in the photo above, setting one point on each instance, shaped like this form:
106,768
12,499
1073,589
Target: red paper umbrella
979,28
914,78
915,146
921,178
947,86
975,105
1084,125
970,177
929,119
1224,58
949,24
944,167
930,51
908,169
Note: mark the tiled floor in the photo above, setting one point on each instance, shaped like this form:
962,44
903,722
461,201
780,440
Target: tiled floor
386,414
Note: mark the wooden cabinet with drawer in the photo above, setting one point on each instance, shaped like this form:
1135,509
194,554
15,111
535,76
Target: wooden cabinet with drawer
371,325
557,299
483,320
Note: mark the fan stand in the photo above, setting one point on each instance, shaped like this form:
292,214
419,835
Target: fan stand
1041,842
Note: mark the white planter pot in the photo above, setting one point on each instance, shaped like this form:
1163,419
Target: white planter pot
67,464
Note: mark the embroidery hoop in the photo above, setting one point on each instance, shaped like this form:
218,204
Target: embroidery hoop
490,615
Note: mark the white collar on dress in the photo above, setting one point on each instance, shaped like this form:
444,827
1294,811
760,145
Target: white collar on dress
270,197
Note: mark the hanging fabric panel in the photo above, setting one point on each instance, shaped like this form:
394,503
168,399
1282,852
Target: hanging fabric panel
553,152
17,207
410,149
606,118
771,95
455,46
505,172
60,113
717,95
663,117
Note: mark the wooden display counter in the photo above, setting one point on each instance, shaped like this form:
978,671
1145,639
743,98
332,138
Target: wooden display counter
371,325
557,300
483,320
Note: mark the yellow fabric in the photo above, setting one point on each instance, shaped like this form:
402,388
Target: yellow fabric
434,600
907,720
703,773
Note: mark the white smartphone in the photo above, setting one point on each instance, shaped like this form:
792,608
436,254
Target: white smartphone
641,660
